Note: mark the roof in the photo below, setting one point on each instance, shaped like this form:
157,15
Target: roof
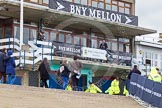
63,20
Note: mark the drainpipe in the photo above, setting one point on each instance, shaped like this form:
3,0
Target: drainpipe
90,38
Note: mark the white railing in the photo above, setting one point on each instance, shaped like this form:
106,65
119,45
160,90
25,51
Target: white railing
31,57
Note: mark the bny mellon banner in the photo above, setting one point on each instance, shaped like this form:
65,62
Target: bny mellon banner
88,11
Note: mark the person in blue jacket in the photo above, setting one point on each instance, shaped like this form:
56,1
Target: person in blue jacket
10,67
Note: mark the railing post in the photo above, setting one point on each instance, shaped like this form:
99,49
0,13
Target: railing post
24,59
33,61
9,42
13,43
19,59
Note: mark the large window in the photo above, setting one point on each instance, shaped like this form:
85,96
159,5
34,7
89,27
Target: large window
77,40
33,34
68,39
94,43
84,42
61,37
52,36
26,35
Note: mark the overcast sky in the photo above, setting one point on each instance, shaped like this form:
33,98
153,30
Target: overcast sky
149,13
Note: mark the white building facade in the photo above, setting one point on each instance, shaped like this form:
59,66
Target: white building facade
149,48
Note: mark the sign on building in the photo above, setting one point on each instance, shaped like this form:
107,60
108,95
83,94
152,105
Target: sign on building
94,53
66,49
84,10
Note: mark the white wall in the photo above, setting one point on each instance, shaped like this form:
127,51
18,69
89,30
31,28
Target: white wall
150,53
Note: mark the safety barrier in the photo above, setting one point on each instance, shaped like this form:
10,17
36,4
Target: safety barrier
146,90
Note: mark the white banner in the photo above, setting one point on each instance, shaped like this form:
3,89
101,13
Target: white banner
94,53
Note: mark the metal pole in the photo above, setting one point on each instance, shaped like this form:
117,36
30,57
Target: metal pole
21,23
33,60
9,42
24,59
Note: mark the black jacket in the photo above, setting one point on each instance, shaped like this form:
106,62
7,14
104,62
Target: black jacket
133,71
103,46
43,72
65,72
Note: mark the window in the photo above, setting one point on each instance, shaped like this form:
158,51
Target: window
114,46
8,31
121,47
121,9
155,56
84,2
108,1
109,45
68,38
52,36
33,34
94,3
101,5
46,1
77,1
121,4
61,37
26,35
17,32
148,55
77,40
114,8
127,10
160,57
94,43
34,1
108,7
83,42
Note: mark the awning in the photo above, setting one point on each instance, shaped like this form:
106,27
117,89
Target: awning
66,21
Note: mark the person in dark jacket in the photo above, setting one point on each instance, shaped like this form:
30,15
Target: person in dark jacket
10,67
134,70
64,73
44,69
103,45
3,65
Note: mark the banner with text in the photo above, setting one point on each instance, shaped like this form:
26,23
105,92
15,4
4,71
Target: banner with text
84,10
94,53
66,49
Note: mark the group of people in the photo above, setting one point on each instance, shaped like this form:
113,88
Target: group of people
69,73
7,66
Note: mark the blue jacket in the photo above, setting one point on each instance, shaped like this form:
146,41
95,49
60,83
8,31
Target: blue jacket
10,64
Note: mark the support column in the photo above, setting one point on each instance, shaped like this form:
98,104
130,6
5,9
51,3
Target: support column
40,24
21,23
133,49
90,38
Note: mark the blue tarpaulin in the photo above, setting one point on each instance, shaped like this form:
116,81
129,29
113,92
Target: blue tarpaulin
156,94
133,84
147,92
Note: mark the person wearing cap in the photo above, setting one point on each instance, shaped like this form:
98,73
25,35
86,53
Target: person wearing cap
10,67
154,75
93,88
